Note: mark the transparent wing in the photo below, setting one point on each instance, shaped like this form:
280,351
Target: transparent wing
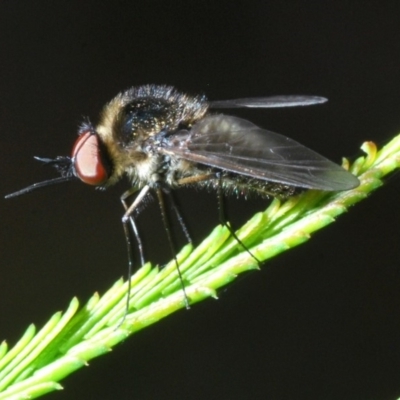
239,146
269,102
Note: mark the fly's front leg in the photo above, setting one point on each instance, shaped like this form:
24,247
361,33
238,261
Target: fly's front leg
135,230
127,217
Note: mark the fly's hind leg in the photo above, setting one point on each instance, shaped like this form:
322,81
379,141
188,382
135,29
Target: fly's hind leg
221,209
222,218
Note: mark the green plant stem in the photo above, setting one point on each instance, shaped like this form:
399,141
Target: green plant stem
39,360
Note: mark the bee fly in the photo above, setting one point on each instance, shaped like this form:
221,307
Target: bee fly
162,139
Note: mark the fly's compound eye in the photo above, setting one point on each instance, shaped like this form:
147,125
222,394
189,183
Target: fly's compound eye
90,159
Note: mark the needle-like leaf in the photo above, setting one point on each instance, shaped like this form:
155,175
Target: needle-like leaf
36,364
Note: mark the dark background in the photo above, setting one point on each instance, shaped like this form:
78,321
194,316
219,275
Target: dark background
320,322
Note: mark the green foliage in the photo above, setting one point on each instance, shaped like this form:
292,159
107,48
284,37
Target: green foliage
39,360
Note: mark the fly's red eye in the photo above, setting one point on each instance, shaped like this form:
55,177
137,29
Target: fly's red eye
89,161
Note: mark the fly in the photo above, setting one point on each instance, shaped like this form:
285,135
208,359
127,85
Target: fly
161,139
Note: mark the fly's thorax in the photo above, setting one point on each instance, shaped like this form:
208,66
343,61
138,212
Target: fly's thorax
139,116
178,169
163,170
142,112
149,171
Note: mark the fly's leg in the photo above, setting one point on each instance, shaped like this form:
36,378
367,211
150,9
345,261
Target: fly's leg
167,228
221,208
135,230
222,218
195,179
127,217
179,216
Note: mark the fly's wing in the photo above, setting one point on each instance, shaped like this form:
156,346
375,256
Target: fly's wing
237,145
269,102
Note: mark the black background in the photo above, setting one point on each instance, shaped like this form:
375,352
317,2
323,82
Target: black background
320,322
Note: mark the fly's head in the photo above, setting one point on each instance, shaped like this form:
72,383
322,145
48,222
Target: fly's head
90,161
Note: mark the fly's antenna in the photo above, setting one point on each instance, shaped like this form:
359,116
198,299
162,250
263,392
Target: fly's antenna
39,185
62,164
